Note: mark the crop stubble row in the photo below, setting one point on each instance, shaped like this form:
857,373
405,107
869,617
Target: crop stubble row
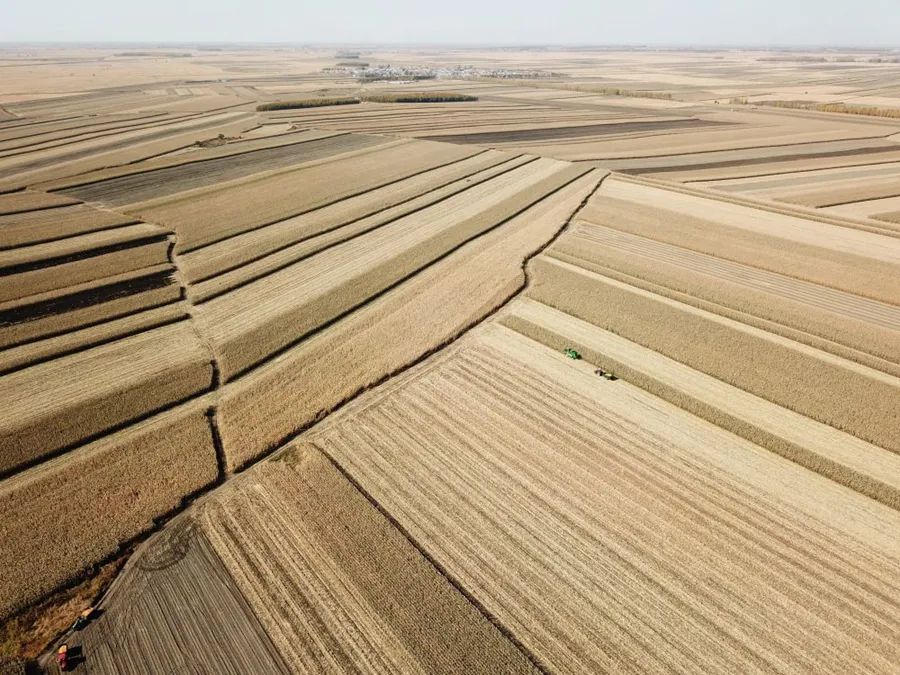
610,531
255,413
801,378
248,324
61,517
336,585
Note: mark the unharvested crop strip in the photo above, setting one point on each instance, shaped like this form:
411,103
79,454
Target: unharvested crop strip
703,181
533,658
753,147
81,255
49,144
808,214
127,544
96,436
250,279
827,344
777,369
4,212
329,203
724,164
698,400
293,242
241,372
76,154
91,123
168,182
90,344
49,240
92,296
526,282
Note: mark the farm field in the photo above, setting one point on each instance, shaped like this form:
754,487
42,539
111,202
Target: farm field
595,368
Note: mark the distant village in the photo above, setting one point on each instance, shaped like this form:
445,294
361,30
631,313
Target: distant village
365,71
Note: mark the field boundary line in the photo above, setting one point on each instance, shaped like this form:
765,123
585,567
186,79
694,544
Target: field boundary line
249,280
72,186
216,376
526,282
413,273
302,212
808,214
533,658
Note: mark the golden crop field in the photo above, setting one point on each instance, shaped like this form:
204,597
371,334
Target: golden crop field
557,360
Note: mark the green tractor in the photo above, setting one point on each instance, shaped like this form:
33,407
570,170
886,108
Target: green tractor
572,354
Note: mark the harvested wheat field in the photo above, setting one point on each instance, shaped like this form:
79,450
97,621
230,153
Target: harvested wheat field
530,360
644,538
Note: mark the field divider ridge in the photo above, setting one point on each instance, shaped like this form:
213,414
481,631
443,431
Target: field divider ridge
832,453
526,282
533,658
250,279
243,371
799,212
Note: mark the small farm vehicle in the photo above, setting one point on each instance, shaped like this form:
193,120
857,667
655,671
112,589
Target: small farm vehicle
83,619
62,657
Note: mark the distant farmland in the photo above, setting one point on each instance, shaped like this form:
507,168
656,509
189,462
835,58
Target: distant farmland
592,372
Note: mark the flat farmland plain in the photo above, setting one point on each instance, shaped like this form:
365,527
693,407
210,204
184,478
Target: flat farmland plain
305,366
530,429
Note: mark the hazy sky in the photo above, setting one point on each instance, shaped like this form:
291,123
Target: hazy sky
801,22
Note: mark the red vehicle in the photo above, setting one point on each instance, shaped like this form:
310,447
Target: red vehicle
62,657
